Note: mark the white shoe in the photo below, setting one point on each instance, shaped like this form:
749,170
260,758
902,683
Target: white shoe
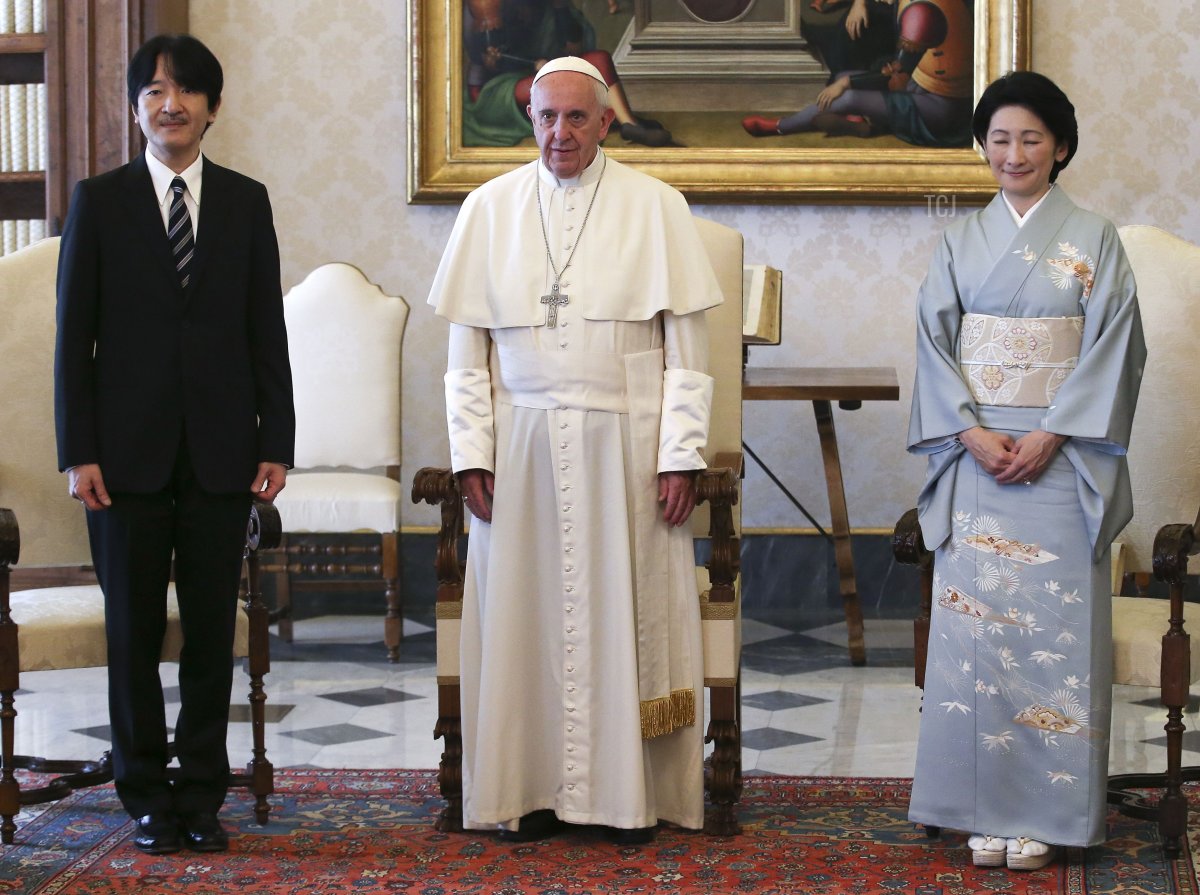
1028,854
987,851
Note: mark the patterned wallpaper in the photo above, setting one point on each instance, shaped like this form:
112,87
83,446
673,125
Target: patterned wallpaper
315,108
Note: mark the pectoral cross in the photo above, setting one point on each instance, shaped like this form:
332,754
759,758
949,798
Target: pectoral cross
553,302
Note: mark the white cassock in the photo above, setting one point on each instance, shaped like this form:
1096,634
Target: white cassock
582,670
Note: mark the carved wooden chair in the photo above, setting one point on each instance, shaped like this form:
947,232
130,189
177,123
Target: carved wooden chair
344,337
1151,646
718,518
51,609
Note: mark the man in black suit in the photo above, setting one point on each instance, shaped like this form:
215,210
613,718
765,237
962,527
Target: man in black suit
173,405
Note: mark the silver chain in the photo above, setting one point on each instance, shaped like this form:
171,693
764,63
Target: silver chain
542,220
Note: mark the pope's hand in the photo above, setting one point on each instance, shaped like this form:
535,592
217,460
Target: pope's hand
677,494
477,486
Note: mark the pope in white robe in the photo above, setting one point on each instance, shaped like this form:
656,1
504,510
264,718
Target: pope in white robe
577,417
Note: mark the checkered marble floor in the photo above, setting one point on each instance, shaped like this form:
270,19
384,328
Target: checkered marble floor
332,701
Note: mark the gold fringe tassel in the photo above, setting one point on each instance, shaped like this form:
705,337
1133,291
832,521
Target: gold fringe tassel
667,713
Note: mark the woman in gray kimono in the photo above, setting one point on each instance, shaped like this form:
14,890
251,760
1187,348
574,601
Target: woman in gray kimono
1029,359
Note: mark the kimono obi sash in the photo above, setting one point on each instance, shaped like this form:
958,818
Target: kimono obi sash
1017,361
552,380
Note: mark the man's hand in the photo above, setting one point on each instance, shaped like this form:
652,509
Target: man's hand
677,494
993,450
1031,455
270,481
86,484
477,486
826,97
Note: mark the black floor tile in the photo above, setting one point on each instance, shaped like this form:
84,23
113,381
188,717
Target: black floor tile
273,712
778,700
336,734
370,697
764,738
798,653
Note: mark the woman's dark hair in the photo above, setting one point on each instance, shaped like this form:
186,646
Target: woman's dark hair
1039,95
189,63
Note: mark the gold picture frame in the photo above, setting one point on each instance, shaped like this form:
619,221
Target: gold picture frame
442,170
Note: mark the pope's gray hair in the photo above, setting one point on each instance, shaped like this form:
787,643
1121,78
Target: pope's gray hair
600,90
601,94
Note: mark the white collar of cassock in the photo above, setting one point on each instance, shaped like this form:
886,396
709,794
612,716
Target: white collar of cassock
1018,219
589,175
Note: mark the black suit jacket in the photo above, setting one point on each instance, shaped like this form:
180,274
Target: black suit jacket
140,362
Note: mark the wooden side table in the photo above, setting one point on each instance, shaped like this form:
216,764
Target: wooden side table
849,386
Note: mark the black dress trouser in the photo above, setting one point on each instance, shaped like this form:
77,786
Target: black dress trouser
132,543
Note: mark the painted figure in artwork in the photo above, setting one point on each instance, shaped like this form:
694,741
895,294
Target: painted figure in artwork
848,35
507,42
1029,360
920,92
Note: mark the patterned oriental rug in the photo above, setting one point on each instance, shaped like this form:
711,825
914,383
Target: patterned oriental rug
370,832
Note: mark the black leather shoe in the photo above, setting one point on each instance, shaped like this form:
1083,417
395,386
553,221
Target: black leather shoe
157,834
533,826
635,836
202,832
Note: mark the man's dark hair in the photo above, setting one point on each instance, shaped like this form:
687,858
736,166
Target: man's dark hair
189,63
1039,95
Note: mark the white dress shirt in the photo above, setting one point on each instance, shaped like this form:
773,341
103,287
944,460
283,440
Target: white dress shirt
161,176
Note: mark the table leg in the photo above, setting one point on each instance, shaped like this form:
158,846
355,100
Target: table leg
840,520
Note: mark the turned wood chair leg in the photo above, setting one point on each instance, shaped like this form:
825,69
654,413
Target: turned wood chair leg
260,770
10,679
724,778
449,728
1175,675
260,773
393,622
10,791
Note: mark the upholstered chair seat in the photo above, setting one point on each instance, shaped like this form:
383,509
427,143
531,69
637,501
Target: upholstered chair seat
63,627
1138,626
342,502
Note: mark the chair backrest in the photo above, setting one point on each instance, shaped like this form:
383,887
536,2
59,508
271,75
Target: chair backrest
344,337
1164,450
53,530
725,249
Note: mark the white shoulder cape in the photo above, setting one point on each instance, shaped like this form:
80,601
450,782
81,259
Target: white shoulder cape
639,254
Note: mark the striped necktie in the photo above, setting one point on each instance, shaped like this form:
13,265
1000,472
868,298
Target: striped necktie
179,232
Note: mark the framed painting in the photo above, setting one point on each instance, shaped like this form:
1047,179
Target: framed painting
794,101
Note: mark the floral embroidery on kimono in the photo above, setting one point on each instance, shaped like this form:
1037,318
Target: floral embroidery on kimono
1072,265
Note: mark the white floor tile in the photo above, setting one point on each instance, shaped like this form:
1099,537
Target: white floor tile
866,725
